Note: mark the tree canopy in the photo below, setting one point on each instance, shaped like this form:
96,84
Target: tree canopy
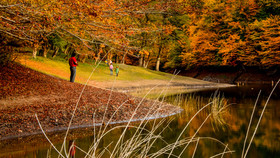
158,34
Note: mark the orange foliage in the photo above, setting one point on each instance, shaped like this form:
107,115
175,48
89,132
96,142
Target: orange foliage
228,33
215,32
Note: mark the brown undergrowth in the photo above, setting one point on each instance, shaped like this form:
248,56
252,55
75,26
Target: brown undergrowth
24,92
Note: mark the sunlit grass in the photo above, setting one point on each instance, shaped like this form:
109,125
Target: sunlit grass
59,67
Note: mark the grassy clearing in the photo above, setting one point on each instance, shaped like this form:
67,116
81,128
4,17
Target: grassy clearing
60,68
134,80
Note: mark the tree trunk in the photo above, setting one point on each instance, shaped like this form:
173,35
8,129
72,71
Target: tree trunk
123,61
98,57
55,53
159,52
66,50
158,63
141,60
35,52
146,64
158,58
46,50
84,57
117,59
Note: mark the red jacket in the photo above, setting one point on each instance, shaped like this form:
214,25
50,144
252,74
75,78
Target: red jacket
73,62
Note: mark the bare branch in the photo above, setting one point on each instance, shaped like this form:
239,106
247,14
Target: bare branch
8,6
7,19
18,37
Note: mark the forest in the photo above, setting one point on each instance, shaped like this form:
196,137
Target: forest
155,34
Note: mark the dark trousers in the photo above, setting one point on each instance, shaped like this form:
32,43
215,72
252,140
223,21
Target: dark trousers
73,73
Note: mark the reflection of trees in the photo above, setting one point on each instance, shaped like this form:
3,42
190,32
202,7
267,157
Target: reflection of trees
268,131
237,118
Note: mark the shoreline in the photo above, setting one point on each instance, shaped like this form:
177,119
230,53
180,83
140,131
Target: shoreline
190,88
80,127
156,87
25,92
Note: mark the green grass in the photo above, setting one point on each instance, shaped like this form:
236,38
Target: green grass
60,68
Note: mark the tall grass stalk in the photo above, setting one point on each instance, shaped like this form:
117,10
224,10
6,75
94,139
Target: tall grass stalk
140,144
250,122
132,116
153,127
97,139
196,145
222,154
195,134
73,114
260,118
169,147
130,120
224,151
218,107
101,135
47,136
186,128
78,101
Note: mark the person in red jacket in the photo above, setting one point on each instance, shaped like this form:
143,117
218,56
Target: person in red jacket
73,63
72,149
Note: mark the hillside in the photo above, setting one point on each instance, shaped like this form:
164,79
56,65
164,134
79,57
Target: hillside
25,92
132,79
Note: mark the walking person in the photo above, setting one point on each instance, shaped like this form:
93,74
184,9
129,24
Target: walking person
117,71
111,68
73,63
72,149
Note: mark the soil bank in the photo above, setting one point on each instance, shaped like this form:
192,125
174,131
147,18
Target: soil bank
25,92
233,75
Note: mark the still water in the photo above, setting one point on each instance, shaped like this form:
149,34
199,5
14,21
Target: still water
223,131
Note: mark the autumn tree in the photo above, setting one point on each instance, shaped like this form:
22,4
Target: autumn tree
32,21
266,39
159,34
27,22
226,32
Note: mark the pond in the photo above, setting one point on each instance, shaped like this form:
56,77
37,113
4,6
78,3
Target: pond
224,130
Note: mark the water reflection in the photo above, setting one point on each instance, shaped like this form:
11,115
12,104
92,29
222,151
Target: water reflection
242,99
229,127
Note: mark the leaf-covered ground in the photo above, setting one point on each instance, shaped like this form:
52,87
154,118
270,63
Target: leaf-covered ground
25,92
